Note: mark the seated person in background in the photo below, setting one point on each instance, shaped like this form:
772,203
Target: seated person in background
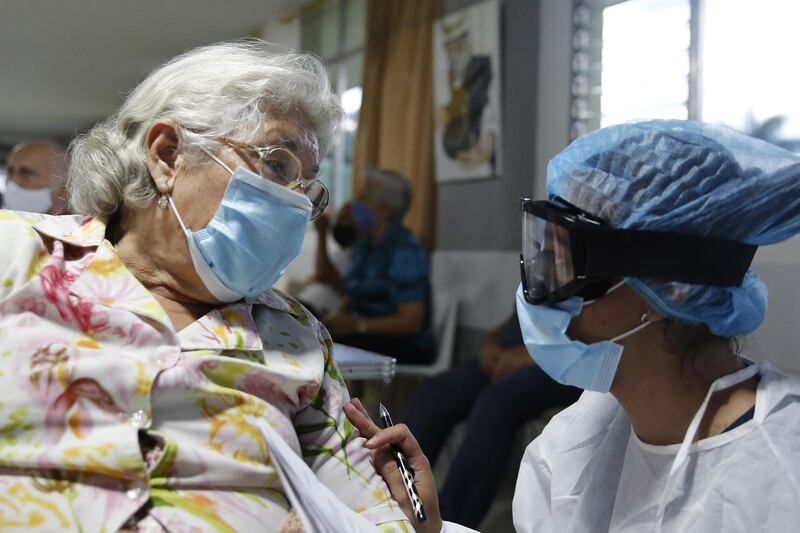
36,180
323,294
496,392
386,285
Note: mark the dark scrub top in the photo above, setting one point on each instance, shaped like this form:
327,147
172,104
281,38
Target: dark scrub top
389,272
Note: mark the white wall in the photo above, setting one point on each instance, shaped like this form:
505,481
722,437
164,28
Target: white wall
778,339
285,34
552,119
483,281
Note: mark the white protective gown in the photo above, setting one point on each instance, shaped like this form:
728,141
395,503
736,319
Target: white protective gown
587,472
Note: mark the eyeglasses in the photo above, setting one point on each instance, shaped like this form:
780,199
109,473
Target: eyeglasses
281,166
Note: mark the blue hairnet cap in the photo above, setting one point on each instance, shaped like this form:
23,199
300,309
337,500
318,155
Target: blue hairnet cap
687,177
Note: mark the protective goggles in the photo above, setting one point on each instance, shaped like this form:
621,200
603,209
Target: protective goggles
568,252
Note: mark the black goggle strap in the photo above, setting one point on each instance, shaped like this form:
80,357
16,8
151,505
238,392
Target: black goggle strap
666,256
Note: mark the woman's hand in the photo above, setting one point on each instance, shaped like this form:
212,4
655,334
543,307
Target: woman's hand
510,361
488,357
379,444
322,224
341,325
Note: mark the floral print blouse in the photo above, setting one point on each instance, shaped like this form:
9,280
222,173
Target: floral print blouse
110,419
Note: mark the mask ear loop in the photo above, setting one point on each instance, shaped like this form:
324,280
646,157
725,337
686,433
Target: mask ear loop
609,291
645,321
177,215
217,159
168,197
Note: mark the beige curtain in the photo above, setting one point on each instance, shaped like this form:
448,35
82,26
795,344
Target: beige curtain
395,129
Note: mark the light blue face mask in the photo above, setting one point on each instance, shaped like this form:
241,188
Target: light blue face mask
257,230
570,362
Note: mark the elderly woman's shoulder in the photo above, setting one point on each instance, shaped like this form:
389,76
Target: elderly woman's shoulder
20,220
22,232
22,245
17,227
277,300
274,307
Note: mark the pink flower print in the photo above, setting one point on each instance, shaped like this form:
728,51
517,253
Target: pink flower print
55,282
83,389
51,364
116,290
334,397
88,318
306,393
185,375
31,305
27,321
210,365
259,385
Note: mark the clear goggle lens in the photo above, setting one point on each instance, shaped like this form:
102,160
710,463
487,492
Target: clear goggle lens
546,256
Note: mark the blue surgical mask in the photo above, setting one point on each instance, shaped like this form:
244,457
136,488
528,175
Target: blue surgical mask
363,216
544,330
257,230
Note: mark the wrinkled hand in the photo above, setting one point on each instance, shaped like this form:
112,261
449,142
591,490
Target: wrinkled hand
379,444
509,362
322,223
341,325
488,357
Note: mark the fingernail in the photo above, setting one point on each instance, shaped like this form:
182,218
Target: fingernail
370,442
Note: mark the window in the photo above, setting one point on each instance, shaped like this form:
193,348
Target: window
631,60
336,32
721,61
749,78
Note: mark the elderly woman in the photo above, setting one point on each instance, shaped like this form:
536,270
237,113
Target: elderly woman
146,367
386,284
635,287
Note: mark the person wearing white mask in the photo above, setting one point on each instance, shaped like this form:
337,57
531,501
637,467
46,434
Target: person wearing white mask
36,179
636,287
151,379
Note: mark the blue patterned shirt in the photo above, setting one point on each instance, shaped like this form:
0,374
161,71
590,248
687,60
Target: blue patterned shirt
387,273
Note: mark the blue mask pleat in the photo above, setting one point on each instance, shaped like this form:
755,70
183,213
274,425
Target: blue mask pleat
257,230
570,362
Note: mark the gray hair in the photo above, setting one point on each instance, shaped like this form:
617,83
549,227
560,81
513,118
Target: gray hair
390,189
219,90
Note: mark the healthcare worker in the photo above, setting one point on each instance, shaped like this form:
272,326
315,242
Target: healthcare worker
636,283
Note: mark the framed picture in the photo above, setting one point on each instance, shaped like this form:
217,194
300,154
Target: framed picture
466,93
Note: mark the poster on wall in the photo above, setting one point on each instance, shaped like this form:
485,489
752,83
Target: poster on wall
466,93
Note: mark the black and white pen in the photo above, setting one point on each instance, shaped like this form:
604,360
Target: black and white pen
405,469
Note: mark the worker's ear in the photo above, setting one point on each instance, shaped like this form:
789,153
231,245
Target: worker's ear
162,154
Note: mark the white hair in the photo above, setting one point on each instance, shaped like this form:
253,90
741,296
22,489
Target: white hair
219,90
390,189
